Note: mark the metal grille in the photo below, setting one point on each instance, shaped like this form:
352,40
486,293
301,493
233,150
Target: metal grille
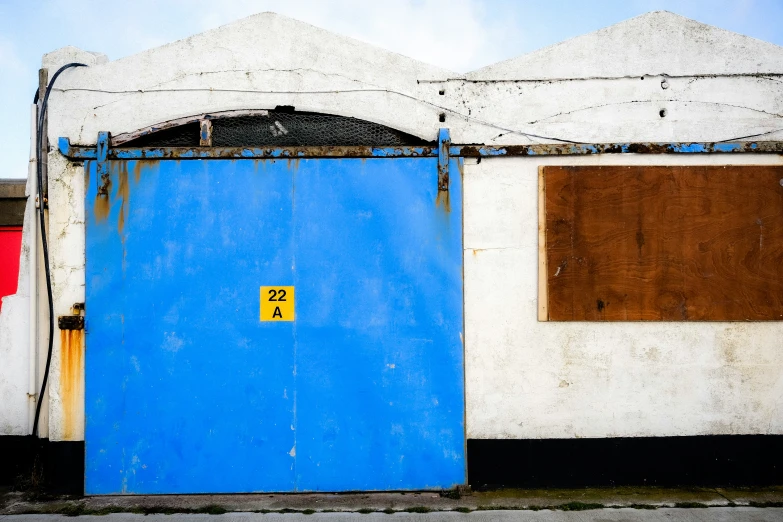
281,129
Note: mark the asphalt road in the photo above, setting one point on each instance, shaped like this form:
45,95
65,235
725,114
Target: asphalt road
715,514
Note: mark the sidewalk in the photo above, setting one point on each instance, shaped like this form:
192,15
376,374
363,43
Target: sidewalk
738,514
557,503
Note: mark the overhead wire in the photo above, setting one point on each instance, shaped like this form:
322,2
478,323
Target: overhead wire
335,91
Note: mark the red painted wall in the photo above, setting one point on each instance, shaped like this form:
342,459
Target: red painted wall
10,247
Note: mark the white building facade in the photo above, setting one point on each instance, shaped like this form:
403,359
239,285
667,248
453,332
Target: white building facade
655,79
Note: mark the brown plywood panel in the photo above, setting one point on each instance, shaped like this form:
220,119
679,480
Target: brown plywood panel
664,243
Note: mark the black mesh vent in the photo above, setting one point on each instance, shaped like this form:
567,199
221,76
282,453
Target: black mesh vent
186,135
281,129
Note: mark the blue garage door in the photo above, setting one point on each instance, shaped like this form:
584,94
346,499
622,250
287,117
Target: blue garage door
188,390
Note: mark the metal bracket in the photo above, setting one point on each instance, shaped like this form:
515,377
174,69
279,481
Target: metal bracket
205,135
71,322
102,163
444,142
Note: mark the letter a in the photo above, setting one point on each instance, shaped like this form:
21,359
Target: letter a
277,313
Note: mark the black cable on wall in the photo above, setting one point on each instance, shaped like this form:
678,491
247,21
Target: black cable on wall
44,242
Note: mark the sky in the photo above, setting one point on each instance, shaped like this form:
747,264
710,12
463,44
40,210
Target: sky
460,35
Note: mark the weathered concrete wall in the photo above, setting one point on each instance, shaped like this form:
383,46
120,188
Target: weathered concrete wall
531,379
545,93
525,379
656,43
66,228
14,343
256,63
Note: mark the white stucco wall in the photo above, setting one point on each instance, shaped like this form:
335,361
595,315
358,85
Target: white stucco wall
14,343
524,378
531,379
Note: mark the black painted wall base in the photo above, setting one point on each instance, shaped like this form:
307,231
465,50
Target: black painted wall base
711,460
55,467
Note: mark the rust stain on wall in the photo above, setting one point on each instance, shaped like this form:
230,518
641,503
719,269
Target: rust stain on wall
101,207
122,194
103,201
444,200
140,165
71,381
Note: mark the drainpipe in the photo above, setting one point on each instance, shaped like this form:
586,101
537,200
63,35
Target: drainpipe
32,238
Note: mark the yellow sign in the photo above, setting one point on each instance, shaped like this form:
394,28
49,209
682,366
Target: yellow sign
277,303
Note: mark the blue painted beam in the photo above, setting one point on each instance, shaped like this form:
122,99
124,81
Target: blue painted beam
581,149
85,153
467,151
444,149
101,154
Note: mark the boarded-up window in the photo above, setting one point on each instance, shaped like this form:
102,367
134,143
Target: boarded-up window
661,243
